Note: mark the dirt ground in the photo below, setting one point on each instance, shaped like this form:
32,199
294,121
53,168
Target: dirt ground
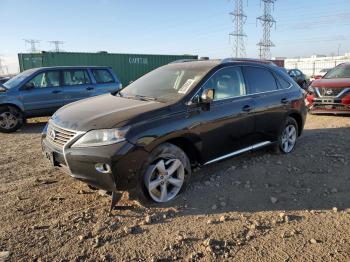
256,207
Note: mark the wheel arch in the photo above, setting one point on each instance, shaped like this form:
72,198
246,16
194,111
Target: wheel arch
13,105
297,117
190,143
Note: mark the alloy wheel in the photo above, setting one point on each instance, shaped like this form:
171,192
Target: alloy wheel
8,120
289,137
164,179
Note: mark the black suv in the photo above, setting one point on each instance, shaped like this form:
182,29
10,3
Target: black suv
147,137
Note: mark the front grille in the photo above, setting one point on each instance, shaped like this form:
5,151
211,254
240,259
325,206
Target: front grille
330,107
58,136
334,91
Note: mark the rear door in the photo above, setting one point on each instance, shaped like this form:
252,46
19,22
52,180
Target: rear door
76,85
46,95
271,102
105,81
228,125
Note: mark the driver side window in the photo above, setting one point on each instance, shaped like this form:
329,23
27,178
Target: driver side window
46,79
227,82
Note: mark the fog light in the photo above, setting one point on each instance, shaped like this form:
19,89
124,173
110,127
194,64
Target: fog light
103,168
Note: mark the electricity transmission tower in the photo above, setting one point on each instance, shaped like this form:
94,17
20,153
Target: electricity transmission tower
239,19
57,44
32,43
267,21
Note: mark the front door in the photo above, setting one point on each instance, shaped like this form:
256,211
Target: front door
227,125
45,95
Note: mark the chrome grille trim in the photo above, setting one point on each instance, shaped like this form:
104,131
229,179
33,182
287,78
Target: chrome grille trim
58,136
336,91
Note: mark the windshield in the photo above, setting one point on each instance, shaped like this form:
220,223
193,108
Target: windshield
15,81
167,83
341,71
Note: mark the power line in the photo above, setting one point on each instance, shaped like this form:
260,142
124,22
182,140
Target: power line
239,19
57,44
32,43
267,22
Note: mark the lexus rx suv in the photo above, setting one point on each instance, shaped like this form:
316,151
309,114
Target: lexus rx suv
331,93
147,137
41,91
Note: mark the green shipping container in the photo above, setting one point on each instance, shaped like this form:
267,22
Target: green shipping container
128,67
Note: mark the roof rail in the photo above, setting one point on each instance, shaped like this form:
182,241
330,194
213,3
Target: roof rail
256,60
183,61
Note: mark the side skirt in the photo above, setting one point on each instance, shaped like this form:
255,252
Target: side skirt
249,148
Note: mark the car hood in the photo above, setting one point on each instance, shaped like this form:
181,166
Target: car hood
105,111
340,82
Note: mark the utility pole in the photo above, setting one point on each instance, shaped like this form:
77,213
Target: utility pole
239,19
32,43
267,21
57,44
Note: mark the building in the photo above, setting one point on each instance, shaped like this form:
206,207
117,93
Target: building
311,65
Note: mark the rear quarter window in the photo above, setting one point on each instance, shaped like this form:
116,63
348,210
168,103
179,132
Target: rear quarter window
102,76
284,84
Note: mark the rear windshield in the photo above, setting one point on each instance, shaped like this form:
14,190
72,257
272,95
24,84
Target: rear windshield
341,71
15,81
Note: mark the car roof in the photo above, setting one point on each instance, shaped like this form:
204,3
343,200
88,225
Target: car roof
212,63
66,67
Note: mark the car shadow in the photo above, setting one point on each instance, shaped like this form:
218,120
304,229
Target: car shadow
32,128
314,177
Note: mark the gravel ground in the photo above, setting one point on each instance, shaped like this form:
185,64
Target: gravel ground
257,207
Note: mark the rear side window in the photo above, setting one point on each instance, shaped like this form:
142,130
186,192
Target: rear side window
102,76
75,77
259,80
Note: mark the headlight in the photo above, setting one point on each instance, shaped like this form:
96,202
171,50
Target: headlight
102,137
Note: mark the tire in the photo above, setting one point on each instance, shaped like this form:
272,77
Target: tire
152,182
287,137
11,119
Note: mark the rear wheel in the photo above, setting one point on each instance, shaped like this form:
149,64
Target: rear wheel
288,136
165,175
11,119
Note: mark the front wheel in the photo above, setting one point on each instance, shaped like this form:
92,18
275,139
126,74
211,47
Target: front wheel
288,136
165,175
11,119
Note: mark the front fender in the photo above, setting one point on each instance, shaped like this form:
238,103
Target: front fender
10,101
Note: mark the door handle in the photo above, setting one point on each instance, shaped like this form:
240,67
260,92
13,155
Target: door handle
247,108
284,100
56,91
89,88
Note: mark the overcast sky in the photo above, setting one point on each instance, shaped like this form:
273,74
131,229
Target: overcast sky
304,27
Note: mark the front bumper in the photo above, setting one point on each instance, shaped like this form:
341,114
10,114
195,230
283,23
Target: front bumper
328,105
124,158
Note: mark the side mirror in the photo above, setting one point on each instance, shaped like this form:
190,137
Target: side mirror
207,95
28,86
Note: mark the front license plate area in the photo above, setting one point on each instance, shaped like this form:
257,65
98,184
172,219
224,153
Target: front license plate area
50,157
331,101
